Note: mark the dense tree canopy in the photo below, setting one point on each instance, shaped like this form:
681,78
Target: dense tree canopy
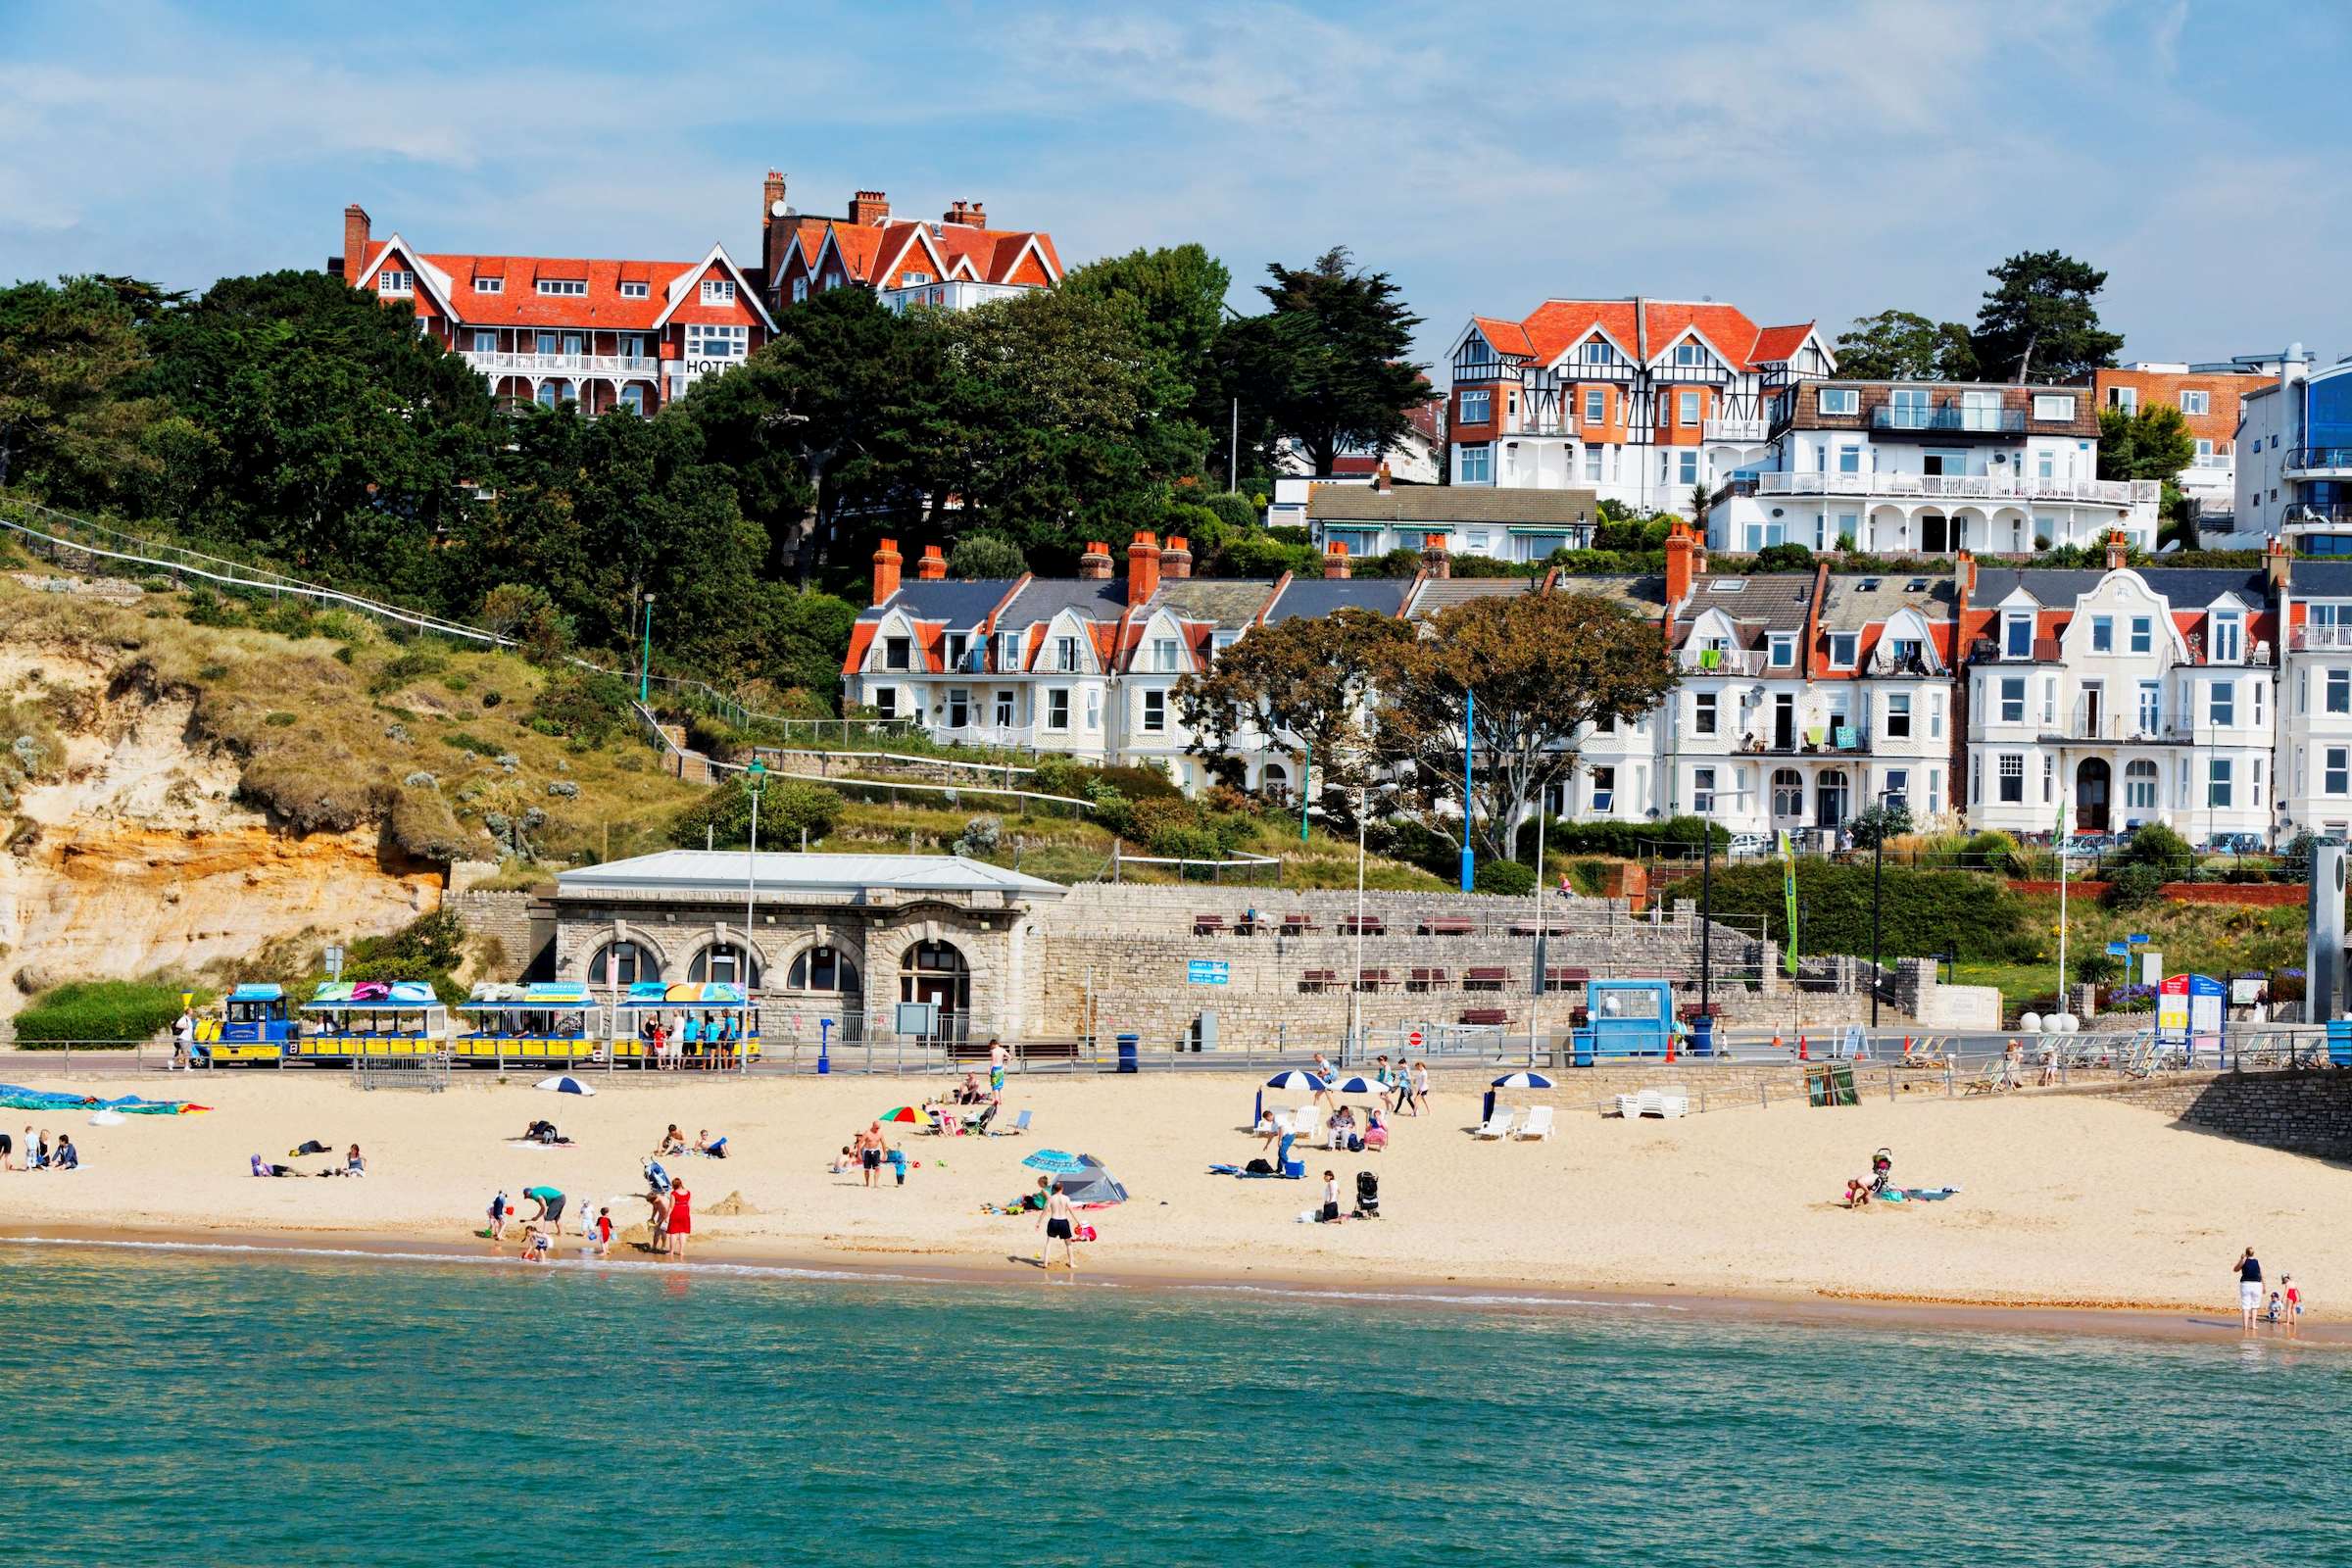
1900,346
2040,321
1327,363
1304,683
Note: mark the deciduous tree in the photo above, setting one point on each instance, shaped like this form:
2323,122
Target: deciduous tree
1303,684
1900,346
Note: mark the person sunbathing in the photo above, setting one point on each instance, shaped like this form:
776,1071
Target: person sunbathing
262,1167
970,1092
674,1142
708,1149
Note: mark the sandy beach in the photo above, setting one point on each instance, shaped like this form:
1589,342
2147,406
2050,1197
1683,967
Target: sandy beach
2068,1200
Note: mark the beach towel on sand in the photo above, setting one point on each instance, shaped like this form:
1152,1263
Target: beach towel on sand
1917,1194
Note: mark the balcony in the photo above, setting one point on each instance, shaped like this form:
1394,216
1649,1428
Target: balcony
1963,487
1723,660
1809,740
1949,420
2317,514
955,296
1734,430
2319,463
2322,640
2120,728
1888,660
615,366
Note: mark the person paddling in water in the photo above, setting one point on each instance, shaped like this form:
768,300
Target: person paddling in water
2249,1287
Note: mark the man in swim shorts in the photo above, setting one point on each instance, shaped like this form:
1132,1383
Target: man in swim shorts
870,1152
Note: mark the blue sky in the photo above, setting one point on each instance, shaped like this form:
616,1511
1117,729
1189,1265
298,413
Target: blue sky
1821,161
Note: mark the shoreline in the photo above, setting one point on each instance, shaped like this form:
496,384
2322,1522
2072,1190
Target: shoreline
1883,1313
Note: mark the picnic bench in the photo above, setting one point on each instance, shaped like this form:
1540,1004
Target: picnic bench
1371,979
1317,980
1491,1016
1296,924
1207,925
1485,977
1692,1011
1247,925
1449,925
1425,980
1367,925
1529,928
1565,977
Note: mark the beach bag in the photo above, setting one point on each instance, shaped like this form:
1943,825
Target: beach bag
1260,1168
1355,1144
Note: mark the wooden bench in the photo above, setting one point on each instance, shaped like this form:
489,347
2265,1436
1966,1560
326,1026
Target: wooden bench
1485,1015
1207,925
1370,925
1318,979
1565,978
1529,928
1371,979
1294,925
1426,980
1448,925
1692,1011
1249,925
1485,978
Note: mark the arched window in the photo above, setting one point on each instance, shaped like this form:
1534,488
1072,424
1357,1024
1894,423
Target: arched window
1787,793
1829,796
2139,786
722,962
623,963
1275,783
823,969
935,973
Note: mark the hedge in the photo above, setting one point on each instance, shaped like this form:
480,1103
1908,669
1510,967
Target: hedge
1921,913
116,1011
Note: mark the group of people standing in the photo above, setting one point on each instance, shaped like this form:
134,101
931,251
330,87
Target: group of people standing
710,1040
2284,1305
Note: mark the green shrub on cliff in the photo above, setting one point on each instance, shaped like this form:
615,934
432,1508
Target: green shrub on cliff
112,1012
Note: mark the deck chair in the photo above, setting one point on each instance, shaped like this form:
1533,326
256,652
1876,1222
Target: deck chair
1672,1103
1626,1105
1650,1102
1498,1125
1020,1125
1538,1123
978,1125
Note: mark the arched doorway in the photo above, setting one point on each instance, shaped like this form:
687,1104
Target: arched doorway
1787,796
620,964
1275,783
1830,798
935,973
723,962
2091,778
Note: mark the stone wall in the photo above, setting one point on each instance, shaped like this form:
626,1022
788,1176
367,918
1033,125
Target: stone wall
502,915
2305,1112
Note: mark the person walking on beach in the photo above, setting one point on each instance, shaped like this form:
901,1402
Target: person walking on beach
2249,1287
1059,1221
2295,1302
870,1154
681,1219
1420,1086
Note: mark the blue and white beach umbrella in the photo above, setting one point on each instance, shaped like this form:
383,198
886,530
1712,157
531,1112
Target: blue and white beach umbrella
563,1083
1298,1078
1523,1080
1355,1086
1054,1163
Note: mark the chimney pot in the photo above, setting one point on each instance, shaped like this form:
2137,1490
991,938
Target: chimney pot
2275,560
1176,558
355,242
887,562
1678,563
1433,557
933,568
869,206
1335,560
1094,564
1380,480
2116,547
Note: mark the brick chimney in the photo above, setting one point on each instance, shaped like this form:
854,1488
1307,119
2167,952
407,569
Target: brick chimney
771,197
2116,547
1143,569
933,568
1380,479
970,213
887,560
869,206
1176,560
355,242
1094,564
1963,572
1680,547
1335,560
1433,559
2275,562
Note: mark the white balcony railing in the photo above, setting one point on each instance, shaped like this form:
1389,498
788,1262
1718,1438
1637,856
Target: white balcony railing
613,364
2322,639
1963,487
1734,430
1724,661
955,296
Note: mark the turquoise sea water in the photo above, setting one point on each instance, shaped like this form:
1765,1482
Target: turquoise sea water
199,1409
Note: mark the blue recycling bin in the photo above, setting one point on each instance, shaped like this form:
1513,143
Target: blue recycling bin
1581,1048
1130,1047
2340,1042
1702,1035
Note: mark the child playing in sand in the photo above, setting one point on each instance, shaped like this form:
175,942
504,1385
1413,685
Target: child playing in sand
1857,1194
2295,1302
535,1245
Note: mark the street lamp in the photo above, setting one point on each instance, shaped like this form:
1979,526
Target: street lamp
1878,881
644,659
754,778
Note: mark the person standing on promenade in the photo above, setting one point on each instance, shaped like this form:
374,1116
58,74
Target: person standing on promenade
1059,1221
2249,1287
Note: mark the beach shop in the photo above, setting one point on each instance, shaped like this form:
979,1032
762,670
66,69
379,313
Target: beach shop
256,1024
347,1018
701,1022
549,1021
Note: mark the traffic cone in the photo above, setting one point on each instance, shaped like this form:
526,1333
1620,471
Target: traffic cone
1906,1047
1776,1039
1803,1053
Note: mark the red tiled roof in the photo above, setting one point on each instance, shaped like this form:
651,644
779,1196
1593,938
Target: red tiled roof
1644,330
1506,337
1776,343
521,304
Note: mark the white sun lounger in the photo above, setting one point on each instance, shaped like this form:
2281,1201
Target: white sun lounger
1626,1105
1498,1125
1538,1124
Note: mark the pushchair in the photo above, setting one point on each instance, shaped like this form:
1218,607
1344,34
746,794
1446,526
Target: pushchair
1367,1194
1882,1167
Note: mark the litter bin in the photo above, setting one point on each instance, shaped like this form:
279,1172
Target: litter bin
1129,1047
1702,1035
1581,1052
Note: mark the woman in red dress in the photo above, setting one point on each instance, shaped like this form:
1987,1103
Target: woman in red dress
681,1219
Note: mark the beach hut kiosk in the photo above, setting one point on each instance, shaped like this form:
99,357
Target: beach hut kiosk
347,1018
724,1022
1625,1018
256,1024
551,1021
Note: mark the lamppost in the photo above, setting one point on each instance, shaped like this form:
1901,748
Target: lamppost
754,778
644,659
1878,881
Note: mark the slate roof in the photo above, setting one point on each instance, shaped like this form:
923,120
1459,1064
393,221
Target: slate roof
1849,606
1444,502
2182,587
1321,596
958,605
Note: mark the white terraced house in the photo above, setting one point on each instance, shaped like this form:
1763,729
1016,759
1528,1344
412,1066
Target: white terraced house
1931,467
1637,400
2127,696
2315,749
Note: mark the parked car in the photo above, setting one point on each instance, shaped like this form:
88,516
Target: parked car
1750,845
2235,844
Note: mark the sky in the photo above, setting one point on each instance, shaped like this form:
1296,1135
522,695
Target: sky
1811,163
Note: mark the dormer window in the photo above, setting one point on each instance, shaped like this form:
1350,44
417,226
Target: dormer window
1008,651
913,279
393,280
1841,400
1844,646
719,291
489,285
2228,631
1065,654
896,652
561,288
1688,354
1599,351
1784,649
958,643
1164,656
2017,635
635,291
